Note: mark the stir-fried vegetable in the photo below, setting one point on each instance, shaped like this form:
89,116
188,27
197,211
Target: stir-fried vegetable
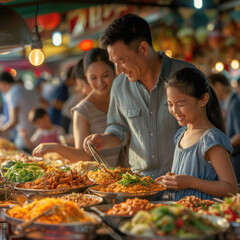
133,179
229,209
22,172
169,221
6,189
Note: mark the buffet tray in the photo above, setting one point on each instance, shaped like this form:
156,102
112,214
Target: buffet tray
50,192
61,231
114,220
112,198
222,222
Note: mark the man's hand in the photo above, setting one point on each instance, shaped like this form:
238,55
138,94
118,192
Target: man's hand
96,140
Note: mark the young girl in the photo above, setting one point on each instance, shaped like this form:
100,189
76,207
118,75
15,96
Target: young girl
90,115
201,163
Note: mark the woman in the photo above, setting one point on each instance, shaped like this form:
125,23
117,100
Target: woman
90,115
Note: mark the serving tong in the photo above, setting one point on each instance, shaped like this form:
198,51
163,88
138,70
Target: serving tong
97,156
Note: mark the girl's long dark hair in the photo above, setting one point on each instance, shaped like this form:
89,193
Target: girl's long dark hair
194,83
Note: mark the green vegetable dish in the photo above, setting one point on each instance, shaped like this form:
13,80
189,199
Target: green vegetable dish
20,172
174,221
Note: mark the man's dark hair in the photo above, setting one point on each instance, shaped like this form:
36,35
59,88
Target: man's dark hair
128,28
218,77
6,77
36,113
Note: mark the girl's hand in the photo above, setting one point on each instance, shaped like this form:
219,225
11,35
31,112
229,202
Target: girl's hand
176,182
43,148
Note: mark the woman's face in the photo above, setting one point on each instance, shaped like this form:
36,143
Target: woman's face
100,77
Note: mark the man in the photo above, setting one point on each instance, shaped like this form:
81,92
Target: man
19,101
230,102
138,112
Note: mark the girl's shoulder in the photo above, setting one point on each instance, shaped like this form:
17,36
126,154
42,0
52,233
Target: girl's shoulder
213,137
179,134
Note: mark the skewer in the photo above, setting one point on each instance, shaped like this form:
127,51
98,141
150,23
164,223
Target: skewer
218,200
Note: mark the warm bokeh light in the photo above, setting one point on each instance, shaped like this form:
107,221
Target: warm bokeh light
219,66
4,53
86,44
235,64
36,57
13,72
169,53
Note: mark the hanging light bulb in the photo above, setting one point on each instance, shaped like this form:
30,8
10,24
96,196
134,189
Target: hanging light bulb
36,56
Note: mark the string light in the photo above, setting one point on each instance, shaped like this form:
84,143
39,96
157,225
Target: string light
36,56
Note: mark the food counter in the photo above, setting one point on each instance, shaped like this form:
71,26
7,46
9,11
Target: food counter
82,201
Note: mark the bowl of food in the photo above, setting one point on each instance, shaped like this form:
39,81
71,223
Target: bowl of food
56,182
66,221
173,223
82,200
130,186
113,214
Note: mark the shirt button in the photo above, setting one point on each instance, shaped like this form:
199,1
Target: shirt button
153,156
151,113
151,134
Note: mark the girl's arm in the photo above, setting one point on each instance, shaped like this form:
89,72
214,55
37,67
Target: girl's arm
221,162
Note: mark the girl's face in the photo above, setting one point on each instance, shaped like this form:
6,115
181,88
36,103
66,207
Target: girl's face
100,77
186,109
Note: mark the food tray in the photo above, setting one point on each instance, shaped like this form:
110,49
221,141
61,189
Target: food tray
60,231
222,222
114,220
99,199
111,220
113,198
50,192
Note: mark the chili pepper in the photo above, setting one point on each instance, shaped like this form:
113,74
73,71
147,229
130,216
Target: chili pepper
179,222
234,215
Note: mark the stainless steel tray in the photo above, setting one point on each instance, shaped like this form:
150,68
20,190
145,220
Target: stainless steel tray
113,198
111,220
58,231
114,220
50,192
221,222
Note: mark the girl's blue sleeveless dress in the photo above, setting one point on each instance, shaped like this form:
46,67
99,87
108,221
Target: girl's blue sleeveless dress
191,161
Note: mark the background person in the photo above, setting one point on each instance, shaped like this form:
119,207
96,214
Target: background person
45,132
19,101
230,106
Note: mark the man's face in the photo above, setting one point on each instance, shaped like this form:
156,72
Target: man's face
127,60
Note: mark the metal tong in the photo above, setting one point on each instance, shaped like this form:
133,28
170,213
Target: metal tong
100,160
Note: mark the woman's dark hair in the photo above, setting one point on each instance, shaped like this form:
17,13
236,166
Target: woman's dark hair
194,83
79,71
70,73
128,28
36,113
6,77
96,55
